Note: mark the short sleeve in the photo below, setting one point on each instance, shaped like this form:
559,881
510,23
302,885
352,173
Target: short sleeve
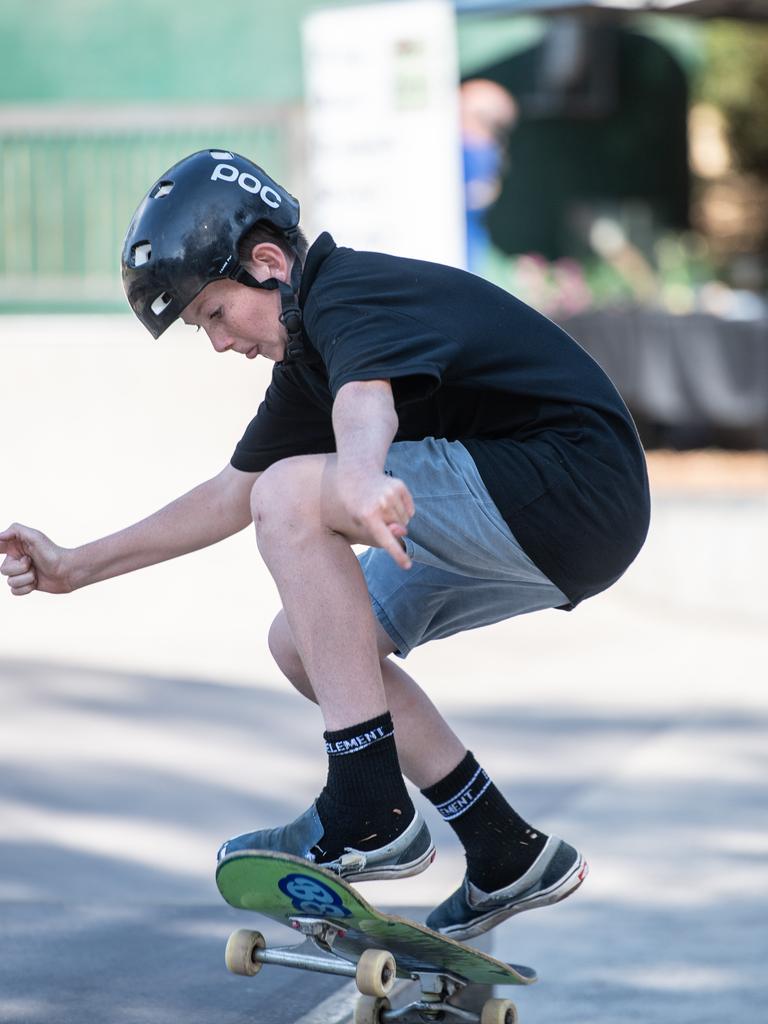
288,422
375,342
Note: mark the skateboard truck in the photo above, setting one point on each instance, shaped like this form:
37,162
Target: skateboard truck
323,933
434,1005
436,990
375,974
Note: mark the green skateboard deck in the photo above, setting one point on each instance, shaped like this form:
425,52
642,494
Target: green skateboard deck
294,892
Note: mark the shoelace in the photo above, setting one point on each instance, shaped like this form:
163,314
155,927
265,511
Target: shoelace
350,860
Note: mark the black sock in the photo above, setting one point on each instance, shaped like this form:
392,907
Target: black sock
365,804
499,845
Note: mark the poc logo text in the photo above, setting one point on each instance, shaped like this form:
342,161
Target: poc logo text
228,172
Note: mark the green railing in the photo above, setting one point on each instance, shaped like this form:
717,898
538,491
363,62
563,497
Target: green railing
70,180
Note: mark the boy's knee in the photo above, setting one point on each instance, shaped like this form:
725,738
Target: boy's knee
286,494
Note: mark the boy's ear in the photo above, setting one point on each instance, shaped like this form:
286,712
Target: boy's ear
268,260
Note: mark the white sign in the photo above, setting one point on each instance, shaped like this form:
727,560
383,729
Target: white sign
384,150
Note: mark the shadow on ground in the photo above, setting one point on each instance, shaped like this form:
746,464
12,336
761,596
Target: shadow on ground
116,790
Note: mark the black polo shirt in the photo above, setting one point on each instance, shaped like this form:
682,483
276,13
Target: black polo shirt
551,438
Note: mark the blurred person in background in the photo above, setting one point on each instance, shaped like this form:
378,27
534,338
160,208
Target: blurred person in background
488,114
486,462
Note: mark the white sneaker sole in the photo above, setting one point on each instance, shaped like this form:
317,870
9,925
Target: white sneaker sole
384,872
545,898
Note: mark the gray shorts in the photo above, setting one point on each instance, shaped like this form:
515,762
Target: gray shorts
468,570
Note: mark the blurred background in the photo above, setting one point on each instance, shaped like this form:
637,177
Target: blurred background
607,162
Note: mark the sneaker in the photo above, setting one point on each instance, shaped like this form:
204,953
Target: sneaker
409,854
557,872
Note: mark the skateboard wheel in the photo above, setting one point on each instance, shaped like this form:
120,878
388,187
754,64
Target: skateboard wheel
239,955
376,973
498,1011
368,1010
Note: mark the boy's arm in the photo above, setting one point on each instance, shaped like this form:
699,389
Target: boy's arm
210,512
365,423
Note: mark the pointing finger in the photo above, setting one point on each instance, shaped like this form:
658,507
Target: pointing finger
384,538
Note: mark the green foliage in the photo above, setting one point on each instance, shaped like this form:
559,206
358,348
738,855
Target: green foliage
734,78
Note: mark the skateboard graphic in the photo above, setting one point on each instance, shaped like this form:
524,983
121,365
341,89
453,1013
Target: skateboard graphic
356,940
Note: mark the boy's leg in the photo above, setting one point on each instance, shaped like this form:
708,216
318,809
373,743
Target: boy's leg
427,747
304,536
510,865
472,572
434,759
468,570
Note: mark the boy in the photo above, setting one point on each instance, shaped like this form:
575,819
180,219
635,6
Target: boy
484,458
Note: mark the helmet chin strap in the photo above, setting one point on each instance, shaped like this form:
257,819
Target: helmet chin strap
290,316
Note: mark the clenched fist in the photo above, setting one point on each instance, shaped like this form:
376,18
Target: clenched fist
32,562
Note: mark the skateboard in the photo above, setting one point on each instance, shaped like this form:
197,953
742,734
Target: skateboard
357,941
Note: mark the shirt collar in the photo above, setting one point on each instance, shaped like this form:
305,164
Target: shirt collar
320,249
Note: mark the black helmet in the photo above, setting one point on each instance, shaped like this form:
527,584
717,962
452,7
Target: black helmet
186,233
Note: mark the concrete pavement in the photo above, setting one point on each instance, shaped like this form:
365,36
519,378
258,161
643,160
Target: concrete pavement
637,729
141,722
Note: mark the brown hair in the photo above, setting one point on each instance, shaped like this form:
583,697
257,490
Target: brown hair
263,231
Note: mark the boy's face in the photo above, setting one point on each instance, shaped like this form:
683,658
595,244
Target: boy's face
241,319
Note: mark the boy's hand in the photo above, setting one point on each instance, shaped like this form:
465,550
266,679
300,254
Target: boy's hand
381,507
32,562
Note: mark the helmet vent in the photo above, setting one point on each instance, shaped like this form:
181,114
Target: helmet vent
141,253
161,303
221,154
162,188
